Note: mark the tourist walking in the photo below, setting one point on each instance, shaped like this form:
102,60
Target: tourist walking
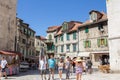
43,67
84,65
60,68
67,67
74,59
3,67
79,68
51,64
89,65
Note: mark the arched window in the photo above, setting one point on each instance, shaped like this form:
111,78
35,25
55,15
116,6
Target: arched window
50,37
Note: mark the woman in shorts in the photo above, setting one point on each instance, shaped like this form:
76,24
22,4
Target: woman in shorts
60,68
79,68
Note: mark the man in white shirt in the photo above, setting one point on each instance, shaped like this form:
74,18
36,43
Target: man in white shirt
42,67
3,67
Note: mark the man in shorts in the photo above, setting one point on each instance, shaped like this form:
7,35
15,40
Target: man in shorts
3,67
42,67
51,64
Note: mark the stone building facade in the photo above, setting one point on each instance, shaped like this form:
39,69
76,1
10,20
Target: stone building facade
25,39
40,46
7,24
66,39
93,37
113,12
51,31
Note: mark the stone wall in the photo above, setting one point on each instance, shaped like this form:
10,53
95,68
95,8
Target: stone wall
92,35
7,24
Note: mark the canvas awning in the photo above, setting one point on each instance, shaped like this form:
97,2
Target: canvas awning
100,52
11,53
84,54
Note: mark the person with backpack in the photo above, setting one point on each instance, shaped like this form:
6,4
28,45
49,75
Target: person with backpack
89,65
51,64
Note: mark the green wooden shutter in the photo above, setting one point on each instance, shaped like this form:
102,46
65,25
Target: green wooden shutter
89,44
68,37
98,42
86,30
105,42
84,44
56,39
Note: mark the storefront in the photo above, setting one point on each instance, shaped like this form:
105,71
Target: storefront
13,60
96,56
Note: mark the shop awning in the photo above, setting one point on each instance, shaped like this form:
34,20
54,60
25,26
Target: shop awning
12,53
100,52
84,54
71,55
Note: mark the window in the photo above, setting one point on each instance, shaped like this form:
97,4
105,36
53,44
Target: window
53,47
62,48
32,34
74,36
86,30
74,47
68,36
32,43
64,26
93,16
38,43
100,27
68,47
23,41
29,32
56,39
62,38
25,31
56,49
102,42
50,37
87,44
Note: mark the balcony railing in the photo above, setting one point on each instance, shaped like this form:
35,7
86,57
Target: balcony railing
50,51
48,40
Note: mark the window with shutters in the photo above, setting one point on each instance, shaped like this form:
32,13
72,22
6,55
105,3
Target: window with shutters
87,44
62,38
50,37
56,49
68,47
86,30
62,48
68,36
56,39
102,42
74,36
64,26
74,48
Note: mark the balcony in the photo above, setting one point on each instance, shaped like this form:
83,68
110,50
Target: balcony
49,51
49,41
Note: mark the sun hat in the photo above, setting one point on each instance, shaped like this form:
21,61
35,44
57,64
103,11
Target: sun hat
79,59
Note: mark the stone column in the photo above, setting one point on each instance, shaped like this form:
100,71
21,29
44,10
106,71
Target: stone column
113,12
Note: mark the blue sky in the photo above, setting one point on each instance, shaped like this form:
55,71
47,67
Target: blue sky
41,14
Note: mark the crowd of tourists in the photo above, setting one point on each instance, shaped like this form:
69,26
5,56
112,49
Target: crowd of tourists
76,66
